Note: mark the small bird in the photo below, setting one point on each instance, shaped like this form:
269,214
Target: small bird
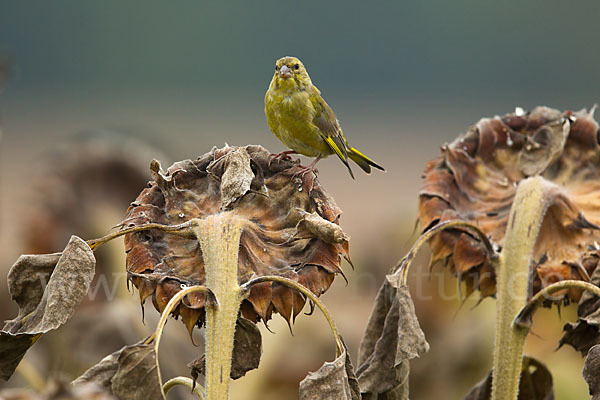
303,121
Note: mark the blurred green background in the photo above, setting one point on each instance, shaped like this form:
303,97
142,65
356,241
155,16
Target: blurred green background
403,77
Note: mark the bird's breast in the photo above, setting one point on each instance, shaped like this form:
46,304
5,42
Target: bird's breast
290,117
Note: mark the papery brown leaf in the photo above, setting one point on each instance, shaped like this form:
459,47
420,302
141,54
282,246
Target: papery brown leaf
475,180
42,309
291,229
130,373
235,172
585,332
334,380
392,337
247,349
591,371
535,383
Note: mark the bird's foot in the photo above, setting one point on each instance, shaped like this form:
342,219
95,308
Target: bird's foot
310,168
302,170
283,156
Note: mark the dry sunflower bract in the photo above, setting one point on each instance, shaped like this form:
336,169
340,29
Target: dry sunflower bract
475,180
290,230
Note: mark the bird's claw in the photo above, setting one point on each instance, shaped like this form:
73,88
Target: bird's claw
283,156
304,170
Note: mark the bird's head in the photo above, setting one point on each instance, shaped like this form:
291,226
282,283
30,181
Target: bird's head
290,72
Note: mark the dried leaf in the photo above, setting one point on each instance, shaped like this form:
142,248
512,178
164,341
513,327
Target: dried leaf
535,383
334,380
313,225
130,373
585,332
44,309
591,371
393,337
236,175
543,147
247,349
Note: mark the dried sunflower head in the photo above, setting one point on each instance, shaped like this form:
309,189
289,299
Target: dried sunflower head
290,230
475,180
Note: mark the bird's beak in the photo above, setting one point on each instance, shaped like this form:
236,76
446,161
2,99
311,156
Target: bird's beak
285,72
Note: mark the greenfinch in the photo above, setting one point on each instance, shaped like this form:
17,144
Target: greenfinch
299,117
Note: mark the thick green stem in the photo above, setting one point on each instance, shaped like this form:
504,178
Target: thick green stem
219,237
512,272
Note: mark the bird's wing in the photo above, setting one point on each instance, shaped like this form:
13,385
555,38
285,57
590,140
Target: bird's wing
329,126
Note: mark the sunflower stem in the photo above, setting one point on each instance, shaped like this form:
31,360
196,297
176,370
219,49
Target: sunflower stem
512,272
219,237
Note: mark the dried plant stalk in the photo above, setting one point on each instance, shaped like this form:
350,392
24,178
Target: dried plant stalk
526,216
219,237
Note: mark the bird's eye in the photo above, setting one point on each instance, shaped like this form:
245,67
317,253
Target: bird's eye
296,66
276,68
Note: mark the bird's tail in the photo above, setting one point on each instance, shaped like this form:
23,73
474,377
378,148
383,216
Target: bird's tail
363,161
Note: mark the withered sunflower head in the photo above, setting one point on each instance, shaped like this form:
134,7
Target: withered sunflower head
291,230
475,180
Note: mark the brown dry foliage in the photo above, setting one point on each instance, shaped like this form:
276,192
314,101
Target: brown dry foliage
291,231
475,180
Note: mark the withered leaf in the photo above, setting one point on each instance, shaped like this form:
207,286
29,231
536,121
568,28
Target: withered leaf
247,349
591,371
535,383
334,380
130,373
102,373
42,309
312,224
543,147
585,333
235,173
392,337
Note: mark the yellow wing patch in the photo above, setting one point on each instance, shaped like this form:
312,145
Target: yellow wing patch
335,148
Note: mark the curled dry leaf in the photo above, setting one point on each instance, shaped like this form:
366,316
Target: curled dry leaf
47,289
247,349
535,383
591,371
475,180
334,380
290,230
585,332
130,373
392,337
